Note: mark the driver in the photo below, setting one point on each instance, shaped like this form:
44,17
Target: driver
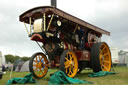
81,35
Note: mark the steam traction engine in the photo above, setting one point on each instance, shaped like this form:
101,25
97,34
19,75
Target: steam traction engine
67,42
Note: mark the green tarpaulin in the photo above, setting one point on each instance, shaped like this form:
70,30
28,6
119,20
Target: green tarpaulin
59,77
100,73
27,79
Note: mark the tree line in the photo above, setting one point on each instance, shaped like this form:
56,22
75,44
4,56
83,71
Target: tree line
11,58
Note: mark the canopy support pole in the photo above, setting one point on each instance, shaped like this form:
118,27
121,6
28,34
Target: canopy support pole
50,22
30,22
41,48
44,21
26,29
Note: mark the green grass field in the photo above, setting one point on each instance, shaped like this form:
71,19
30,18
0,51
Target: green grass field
121,78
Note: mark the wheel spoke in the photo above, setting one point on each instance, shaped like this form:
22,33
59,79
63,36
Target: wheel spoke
101,52
66,63
71,57
106,61
103,48
45,65
35,61
39,58
67,66
106,54
70,70
66,70
42,69
68,56
36,58
100,56
39,71
36,69
34,64
45,68
66,59
104,67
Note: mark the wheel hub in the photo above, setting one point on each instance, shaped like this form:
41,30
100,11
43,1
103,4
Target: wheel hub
39,65
69,63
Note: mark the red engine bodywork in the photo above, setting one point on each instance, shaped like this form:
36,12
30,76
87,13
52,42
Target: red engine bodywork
83,55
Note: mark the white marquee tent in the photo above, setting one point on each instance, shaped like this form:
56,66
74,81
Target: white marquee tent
23,67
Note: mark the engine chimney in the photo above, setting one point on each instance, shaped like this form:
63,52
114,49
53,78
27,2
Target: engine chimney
53,3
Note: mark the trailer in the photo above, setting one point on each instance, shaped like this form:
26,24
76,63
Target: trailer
114,54
67,42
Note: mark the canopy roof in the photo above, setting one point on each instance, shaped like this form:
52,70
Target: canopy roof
38,12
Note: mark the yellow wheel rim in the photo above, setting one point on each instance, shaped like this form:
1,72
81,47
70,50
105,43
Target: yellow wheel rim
71,64
39,65
105,57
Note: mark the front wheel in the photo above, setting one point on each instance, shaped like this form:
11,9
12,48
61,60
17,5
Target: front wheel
69,63
100,57
38,65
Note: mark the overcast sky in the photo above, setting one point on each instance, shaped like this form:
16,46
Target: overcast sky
111,15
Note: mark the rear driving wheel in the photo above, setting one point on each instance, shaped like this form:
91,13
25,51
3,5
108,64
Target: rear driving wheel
100,57
69,63
38,65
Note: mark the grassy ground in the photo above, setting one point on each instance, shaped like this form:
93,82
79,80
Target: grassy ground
121,78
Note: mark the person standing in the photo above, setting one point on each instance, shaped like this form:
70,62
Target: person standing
81,35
